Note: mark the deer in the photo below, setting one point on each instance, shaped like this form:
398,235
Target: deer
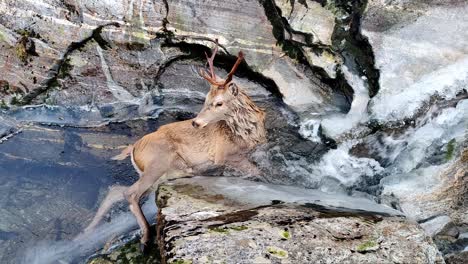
227,128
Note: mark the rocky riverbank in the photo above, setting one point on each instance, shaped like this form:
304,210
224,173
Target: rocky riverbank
229,220
366,99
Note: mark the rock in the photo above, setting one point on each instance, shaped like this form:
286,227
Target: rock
448,197
96,75
252,33
82,60
435,225
197,215
52,178
309,17
299,91
459,258
323,59
128,253
414,54
8,128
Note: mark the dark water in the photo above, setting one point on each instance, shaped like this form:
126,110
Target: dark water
51,179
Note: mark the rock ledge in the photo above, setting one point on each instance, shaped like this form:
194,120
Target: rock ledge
207,220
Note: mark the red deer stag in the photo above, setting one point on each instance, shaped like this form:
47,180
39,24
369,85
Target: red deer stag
228,127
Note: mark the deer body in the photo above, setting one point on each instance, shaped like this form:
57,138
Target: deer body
191,147
228,127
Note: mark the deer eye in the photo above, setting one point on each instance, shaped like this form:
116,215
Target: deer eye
218,104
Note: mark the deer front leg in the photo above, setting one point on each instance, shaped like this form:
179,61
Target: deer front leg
133,196
157,168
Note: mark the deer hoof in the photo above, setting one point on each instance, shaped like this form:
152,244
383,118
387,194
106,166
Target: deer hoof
144,248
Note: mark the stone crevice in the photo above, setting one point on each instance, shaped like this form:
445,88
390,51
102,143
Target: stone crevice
54,71
295,50
348,40
196,52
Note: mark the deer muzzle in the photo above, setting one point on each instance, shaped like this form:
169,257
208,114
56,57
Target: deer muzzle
197,123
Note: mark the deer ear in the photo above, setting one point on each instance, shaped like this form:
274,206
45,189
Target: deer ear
234,89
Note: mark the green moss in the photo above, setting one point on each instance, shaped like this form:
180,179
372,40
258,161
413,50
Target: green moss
4,86
239,228
219,230
15,100
23,32
65,69
2,37
21,52
100,261
181,261
3,104
53,83
140,34
450,150
336,8
61,30
277,252
128,254
291,50
285,234
366,246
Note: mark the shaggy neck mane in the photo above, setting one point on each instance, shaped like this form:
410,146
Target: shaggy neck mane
247,121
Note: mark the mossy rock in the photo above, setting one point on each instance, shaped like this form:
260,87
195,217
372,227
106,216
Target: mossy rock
221,230
285,234
21,51
100,261
367,246
277,252
128,254
239,228
2,37
450,149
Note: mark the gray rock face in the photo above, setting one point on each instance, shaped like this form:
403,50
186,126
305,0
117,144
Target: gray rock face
116,63
199,221
309,17
252,33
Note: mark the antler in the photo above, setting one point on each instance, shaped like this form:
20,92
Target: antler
212,79
203,73
240,57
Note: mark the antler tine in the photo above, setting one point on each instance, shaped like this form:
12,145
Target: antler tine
207,77
240,57
211,59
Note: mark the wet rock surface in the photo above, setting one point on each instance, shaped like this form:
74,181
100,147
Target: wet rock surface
364,98
51,179
204,220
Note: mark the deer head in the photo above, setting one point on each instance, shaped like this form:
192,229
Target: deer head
218,102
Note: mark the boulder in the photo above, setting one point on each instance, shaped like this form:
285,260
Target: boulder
206,219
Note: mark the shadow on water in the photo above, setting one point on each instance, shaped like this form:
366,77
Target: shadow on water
51,180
